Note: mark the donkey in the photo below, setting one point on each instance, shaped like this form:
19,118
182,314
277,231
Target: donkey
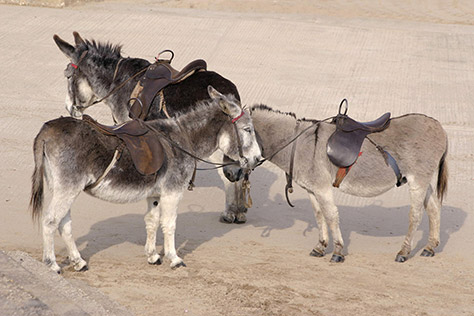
102,69
417,142
72,155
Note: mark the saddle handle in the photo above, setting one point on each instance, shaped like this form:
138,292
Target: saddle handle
158,60
344,101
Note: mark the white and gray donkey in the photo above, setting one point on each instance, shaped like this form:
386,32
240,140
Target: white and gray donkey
417,142
72,155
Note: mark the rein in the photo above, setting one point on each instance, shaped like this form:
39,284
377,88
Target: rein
293,140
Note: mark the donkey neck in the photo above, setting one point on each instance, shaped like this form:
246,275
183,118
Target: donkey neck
276,129
106,76
196,130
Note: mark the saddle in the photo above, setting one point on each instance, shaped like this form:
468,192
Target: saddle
156,78
343,147
145,148
344,144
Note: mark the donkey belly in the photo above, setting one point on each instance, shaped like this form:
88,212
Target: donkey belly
370,175
125,185
120,194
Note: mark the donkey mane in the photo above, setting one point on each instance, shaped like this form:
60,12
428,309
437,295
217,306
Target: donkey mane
263,107
103,49
193,117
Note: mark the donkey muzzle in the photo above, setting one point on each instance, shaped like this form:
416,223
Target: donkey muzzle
233,173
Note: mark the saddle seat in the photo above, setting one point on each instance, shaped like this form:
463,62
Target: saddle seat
145,148
347,124
157,77
344,144
165,70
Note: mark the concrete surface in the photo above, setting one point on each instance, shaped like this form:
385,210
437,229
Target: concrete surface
292,62
28,287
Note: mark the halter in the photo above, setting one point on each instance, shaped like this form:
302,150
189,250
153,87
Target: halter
239,143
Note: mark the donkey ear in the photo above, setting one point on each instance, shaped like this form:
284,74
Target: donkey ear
213,93
77,38
64,46
221,100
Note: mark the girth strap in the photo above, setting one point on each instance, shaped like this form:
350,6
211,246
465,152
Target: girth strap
289,174
115,158
389,160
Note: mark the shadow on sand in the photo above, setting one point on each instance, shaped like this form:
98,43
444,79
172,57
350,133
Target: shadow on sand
268,215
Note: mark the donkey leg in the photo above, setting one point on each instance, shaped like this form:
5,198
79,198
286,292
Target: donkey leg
65,230
331,214
235,211
57,210
152,220
417,197
433,209
320,249
168,206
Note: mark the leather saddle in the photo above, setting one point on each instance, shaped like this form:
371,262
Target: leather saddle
344,144
157,77
145,148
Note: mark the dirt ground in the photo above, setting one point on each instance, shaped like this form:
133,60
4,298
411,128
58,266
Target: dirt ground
300,56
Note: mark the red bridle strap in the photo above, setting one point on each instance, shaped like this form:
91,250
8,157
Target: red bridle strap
236,118
74,66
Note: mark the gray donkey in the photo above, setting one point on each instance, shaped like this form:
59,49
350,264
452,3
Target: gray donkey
92,75
417,142
72,156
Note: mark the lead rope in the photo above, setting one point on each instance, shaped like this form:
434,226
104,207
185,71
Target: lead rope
246,192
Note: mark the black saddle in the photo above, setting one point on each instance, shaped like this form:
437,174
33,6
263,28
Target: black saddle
145,148
344,144
157,77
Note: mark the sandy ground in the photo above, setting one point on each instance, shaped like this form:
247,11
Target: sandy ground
404,56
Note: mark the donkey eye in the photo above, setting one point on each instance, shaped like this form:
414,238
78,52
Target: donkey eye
248,129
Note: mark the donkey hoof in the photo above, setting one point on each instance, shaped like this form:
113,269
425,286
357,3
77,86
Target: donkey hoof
337,258
427,253
240,218
53,267
178,265
401,258
316,253
81,266
157,262
227,217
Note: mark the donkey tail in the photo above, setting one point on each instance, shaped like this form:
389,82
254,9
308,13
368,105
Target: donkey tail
442,185
37,179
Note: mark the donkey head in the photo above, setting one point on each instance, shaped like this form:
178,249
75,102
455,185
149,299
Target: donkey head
237,140
83,72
